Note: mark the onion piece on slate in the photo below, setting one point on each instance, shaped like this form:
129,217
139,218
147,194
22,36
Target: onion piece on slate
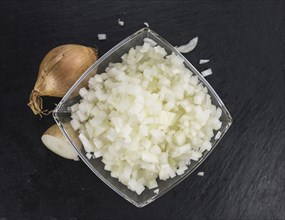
120,22
102,36
146,24
207,72
202,61
188,47
200,173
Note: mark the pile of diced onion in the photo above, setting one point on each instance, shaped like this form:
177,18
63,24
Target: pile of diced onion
147,117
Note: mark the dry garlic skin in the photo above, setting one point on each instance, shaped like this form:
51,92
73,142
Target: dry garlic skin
146,117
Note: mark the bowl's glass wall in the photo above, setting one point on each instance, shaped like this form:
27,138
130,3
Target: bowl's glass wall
62,114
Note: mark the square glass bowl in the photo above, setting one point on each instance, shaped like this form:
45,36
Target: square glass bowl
62,114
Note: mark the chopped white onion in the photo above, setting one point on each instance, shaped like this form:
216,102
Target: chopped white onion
152,184
86,143
89,155
156,191
200,173
120,22
218,135
75,124
207,72
148,117
188,47
102,36
146,24
150,41
202,61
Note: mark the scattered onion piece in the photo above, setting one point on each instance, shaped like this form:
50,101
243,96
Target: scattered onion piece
102,36
203,61
55,141
146,24
188,47
200,173
207,72
120,22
